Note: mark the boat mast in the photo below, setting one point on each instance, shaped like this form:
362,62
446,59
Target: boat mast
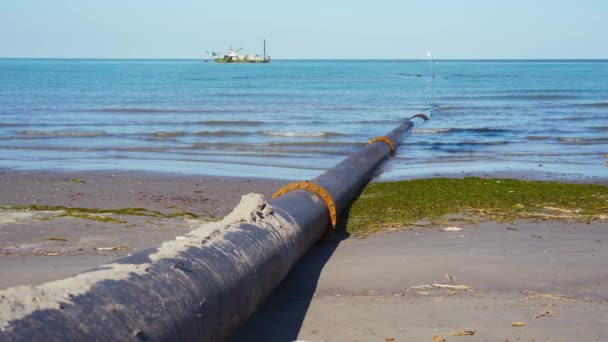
264,48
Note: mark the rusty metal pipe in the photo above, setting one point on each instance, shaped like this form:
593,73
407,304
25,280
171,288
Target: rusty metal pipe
200,288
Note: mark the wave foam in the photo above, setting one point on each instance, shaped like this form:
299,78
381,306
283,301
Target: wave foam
221,133
168,134
301,134
231,123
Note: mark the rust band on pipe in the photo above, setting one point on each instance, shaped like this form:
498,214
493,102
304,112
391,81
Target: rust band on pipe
201,287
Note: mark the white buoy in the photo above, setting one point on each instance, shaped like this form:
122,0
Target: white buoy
428,54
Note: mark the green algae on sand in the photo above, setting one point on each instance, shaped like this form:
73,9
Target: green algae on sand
101,215
399,204
124,211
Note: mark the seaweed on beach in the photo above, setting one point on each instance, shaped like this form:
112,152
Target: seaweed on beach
88,213
402,204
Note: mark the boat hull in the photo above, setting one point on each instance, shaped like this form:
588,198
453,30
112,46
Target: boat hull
242,61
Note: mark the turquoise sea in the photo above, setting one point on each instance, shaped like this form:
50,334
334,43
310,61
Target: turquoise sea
295,119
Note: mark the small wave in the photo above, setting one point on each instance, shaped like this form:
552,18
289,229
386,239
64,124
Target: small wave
486,143
255,95
409,75
480,130
528,91
537,137
326,144
61,134
594,105
231,123
473,109
135,110
343,108
432,131
484,130
316,143
582,141
530,97
476,75
385,121
302,134
577,118
465,143
312,147
161,135
442,108
169,111
599,128
221,133
569,139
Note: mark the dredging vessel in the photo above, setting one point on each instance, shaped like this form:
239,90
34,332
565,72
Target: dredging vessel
233,56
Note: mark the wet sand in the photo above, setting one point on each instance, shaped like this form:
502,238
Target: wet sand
39,246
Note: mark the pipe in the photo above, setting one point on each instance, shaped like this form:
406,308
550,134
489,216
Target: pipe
201,287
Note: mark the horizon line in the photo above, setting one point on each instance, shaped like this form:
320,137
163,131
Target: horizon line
317,59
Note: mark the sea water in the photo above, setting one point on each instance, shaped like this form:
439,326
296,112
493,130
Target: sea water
296,119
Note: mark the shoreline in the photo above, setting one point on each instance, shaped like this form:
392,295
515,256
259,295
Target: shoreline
527,175
371,280
66,221
111,193
379,177
45,220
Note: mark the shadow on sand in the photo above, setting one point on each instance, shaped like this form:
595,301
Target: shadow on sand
281,316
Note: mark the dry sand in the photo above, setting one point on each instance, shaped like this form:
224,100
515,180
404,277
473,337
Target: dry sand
374,289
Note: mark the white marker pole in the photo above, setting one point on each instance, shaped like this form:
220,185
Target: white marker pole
428,54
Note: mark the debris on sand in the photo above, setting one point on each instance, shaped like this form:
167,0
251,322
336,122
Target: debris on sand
543,314
518,324
451,229
439,339
462,333
551,296
562,210
444,286
117,248
56,239
450,277
549,216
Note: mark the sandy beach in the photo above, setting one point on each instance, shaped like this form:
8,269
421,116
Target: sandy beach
415,285
439,171
41,245
412,285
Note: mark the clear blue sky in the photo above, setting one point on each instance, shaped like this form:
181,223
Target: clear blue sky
403,29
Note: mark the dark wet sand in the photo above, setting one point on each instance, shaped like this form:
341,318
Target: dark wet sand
28,256
211,196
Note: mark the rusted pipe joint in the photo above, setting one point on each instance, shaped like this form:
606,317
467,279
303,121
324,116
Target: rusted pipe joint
423,116
386,141
318,190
